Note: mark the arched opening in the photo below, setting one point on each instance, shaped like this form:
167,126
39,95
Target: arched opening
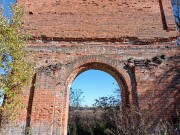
94,97
91,85
114,72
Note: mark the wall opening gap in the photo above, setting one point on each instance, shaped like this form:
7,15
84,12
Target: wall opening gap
95,101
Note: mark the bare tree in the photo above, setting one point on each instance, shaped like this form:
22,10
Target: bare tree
76,98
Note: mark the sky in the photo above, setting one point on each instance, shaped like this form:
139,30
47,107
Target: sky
6,6
176,9
94,84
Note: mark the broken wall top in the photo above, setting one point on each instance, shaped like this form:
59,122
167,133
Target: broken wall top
104,19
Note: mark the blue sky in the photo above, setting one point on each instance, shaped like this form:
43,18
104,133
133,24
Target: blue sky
6,4
94,84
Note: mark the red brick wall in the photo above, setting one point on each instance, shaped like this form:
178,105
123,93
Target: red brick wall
74,36
158,88
153,85
98,19
156,77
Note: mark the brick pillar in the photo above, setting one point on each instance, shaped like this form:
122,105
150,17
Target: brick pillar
45,106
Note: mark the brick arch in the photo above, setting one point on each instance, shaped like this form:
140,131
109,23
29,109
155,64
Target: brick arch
109,62
108,69
112,67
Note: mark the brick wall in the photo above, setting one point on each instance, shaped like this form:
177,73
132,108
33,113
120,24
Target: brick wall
154,86
127,39
99,19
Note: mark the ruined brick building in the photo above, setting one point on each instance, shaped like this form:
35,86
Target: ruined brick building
132,40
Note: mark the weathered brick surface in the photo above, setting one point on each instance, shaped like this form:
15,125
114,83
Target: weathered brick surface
158,86
80,35
57,64
98,19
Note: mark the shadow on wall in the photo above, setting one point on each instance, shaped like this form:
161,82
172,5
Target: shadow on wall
30,103
162,101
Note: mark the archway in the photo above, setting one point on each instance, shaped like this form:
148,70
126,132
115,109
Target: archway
114,72
95,102
90,86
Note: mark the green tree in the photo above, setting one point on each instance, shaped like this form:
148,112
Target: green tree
17,71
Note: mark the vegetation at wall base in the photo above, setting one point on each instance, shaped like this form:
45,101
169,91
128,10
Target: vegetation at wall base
16,70
107,118
116,122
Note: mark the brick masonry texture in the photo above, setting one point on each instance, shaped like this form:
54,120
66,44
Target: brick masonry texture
127,39
99,19
155,86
